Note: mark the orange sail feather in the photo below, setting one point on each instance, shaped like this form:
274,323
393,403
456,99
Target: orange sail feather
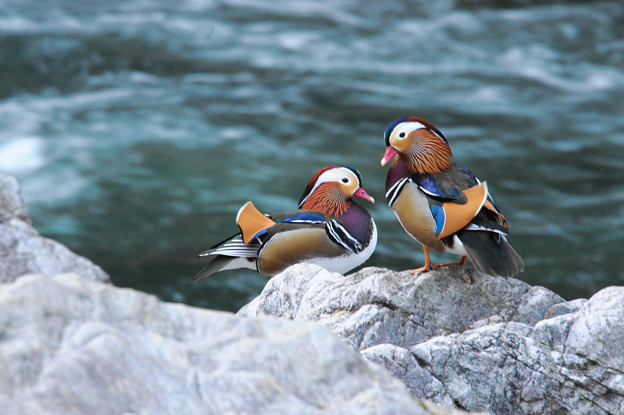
251,221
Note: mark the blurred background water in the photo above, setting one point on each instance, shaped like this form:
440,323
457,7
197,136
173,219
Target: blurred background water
138,128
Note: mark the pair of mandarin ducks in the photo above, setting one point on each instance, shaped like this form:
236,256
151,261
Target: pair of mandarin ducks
439,203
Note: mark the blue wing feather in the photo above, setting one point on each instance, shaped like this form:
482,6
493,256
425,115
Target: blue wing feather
303,217
429,185
448,185
439,216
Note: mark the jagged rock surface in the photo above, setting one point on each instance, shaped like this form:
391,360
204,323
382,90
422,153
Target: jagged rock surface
74,346
24,251
496,345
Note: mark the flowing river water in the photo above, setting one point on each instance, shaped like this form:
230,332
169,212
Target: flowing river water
138,128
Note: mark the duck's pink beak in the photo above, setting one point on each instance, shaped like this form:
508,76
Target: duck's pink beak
390,152
361,193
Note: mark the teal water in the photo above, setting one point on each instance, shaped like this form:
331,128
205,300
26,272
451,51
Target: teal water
138,128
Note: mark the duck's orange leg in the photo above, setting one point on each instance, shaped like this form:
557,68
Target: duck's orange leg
429,266
462,261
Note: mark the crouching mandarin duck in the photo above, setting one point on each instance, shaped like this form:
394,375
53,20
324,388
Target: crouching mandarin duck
441,204
329,230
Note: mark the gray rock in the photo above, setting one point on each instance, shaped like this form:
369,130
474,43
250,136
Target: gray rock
11,203
568,364
567,307
24,251
496,345
69,345
378,306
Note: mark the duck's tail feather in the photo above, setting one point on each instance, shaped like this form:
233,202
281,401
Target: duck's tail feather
215,265
223,263
490,253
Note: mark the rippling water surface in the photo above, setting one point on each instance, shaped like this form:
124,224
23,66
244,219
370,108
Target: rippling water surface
138,128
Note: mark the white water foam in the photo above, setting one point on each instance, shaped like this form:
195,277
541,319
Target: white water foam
22,155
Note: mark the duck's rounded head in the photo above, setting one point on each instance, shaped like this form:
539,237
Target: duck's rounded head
418,143
331,189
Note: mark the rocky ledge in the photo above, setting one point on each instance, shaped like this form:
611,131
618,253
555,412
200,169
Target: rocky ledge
490,344
71,343
74,346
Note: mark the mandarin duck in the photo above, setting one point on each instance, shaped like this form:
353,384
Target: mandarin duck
329,230
442,204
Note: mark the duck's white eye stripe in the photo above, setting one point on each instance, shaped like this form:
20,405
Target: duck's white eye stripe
407,127
335,175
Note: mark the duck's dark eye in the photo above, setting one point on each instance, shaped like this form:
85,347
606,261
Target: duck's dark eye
402,135
345,180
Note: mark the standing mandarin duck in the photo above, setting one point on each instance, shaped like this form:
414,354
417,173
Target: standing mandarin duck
441,204
329,230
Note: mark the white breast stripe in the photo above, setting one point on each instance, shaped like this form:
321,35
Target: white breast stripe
393,192
348,261
343,237
334,235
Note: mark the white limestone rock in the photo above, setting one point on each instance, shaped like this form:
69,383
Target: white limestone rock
24,251
495,345
69,345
